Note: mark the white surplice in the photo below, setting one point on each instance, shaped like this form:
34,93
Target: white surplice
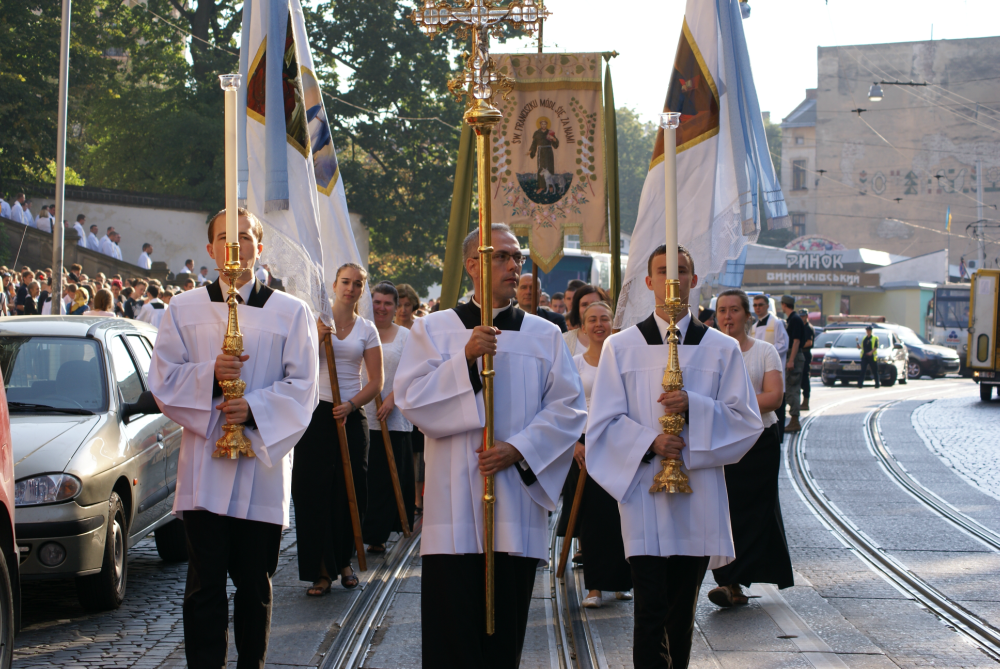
724,423
539,409
281,374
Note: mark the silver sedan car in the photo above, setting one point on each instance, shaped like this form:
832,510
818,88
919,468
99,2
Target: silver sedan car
95,464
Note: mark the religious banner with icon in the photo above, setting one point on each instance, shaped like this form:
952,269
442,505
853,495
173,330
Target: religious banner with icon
547,174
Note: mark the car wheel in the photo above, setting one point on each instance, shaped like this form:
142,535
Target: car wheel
6,615
914,370
891,381
171,542
106,590
985,392
829,383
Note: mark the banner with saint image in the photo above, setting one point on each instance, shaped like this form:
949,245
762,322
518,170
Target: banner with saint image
547,169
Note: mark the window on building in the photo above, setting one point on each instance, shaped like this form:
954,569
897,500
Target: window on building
798,224
800,140
799,175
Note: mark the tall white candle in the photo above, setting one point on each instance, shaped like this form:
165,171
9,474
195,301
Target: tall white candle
230,84
669,123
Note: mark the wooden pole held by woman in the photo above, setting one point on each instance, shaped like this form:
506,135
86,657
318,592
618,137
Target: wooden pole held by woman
571,525
345,456
393,474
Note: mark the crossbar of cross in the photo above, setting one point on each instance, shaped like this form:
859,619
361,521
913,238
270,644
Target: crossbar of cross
480,78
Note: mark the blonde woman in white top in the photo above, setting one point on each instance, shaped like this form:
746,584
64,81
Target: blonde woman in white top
604,564
322,515
752,483
383,514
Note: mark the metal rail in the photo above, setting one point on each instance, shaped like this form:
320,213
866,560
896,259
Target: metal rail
922,494
573,629
963,621
365,615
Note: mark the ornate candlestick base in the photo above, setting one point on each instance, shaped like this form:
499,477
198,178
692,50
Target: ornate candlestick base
671,479
233,443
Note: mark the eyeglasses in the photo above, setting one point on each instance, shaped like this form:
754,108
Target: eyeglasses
503,257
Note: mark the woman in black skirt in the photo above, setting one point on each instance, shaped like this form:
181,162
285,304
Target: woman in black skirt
383,512
604,565
752,483
319,492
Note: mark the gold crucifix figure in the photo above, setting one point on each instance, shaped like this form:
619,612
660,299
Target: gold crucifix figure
480,81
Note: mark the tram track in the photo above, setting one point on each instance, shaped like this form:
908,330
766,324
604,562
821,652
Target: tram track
963,621
366,613
575,642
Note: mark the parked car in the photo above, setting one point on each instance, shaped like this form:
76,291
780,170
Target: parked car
924,358
843,358
10,580
819,350
93,475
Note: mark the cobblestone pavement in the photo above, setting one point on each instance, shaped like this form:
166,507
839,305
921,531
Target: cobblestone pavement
839,613
962,432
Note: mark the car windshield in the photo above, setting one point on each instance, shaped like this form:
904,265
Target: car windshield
910,337
824,337
60,372
852,338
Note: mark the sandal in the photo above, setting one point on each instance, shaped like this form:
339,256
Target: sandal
739,599
376,549
350,581
318,590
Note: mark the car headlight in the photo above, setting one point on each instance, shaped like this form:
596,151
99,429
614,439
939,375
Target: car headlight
46,489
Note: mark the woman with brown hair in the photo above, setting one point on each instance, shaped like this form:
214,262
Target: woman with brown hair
605,567
383,514
103,304
752,483
409,302
322,514
583,297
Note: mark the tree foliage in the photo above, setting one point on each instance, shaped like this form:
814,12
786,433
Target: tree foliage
635,150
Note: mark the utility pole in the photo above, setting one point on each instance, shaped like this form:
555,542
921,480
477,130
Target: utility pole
59,237
980,240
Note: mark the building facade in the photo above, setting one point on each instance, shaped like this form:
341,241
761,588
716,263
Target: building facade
887,171
799,178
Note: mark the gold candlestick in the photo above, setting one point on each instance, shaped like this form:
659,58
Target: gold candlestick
671,478
233,442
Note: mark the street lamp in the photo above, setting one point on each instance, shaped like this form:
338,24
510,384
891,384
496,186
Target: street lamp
875,92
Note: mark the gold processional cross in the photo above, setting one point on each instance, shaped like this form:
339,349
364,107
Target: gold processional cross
481,82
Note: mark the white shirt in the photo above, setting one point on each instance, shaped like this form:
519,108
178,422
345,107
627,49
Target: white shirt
723,424
4,208
144,261
44,223
200,280
17,212
27,218
92,242
540,410
587,375
774,332
83,235
349,355
261,275
391,353
185,270
118,251
760,359
153,312
108,247
280,375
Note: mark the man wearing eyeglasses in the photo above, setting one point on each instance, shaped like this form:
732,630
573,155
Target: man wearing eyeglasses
539,412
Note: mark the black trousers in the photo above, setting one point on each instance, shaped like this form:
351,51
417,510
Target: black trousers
666,596
805,377
382,516
868,362
246,551
453,602
322,515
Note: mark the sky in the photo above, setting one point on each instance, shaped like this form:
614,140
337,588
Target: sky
782,36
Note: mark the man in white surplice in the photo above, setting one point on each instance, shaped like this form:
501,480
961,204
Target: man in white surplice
540,413
233,510
670,539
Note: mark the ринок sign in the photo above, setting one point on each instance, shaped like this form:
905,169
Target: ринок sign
815,260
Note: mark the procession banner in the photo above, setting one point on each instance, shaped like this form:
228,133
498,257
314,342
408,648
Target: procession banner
724,169
291,178
548,174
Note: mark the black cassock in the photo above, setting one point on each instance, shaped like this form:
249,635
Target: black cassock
383,514
755,515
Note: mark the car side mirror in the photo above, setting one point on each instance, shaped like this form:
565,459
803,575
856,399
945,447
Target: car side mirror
897,345
829,344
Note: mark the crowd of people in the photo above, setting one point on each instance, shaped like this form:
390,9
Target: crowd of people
28,292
